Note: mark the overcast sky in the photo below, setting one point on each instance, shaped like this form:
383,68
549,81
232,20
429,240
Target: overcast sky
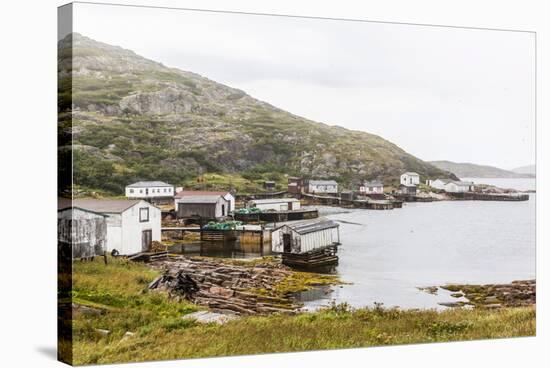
440,93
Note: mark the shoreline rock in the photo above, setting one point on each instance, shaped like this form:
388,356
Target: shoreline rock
493,296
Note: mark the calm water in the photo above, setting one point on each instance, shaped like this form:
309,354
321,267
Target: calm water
388,254
517,183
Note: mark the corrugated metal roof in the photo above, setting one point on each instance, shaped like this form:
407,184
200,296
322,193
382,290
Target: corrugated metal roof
312,226
200,199
106,205
148,184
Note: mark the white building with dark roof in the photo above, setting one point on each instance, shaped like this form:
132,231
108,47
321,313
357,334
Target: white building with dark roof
131,224
149,190
410,179
371,187
322,187
452,186
275,204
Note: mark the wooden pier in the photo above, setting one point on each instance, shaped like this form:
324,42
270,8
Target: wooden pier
277,216
320,257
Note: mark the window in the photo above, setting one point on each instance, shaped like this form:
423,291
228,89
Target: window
144,214
131,191
141,190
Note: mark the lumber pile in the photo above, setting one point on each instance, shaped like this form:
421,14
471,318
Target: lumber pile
221,287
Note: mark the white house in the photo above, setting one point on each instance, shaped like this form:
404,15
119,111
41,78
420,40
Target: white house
149,189
131,224
438,183
371,187
451,186
80,233
275,204
322,187
410,179
459,187
230,198
304,236
212,206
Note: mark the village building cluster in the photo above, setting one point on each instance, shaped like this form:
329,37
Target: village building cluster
130,226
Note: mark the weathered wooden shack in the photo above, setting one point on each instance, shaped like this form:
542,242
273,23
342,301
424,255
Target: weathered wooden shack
80,232
204,207
307,244
295,185
132,225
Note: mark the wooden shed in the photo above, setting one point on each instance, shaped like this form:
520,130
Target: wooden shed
305,236
205,206
81,233
307,243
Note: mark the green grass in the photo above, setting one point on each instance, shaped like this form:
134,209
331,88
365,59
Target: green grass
120,289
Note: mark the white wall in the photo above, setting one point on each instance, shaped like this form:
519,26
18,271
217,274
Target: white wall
149,192
132,228
114,232
276,205
410,179
322,188
306,242
453,188
437,184
372,190
229,197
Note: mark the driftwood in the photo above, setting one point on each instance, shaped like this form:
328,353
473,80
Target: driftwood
221,287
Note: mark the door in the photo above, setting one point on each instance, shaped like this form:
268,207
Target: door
146,239
286,243
290,206
223,209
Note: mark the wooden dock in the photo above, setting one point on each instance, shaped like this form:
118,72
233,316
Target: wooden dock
320,257
277,216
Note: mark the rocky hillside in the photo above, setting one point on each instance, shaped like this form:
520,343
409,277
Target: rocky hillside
467,170
136,119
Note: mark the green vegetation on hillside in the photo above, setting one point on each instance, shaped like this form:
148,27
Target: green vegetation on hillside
135,119
120,291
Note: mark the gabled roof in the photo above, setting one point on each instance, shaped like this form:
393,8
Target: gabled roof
411,173
323,182
209,199
312,226
66,204
148,184
199,193
444,181
106,205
